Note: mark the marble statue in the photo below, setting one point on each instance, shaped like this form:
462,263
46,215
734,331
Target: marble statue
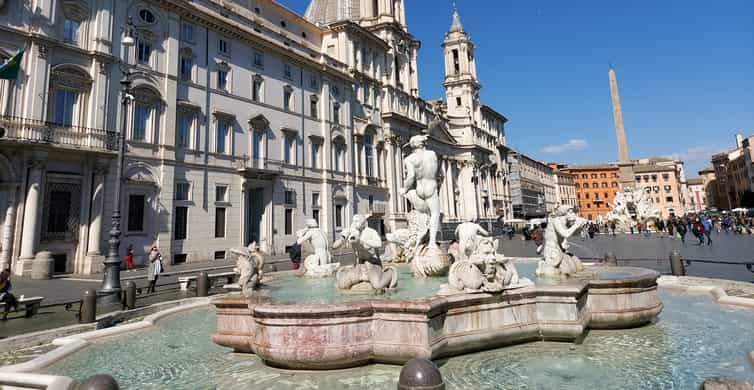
468,234
408,242
484,271
318,264
632,206
562,224
421,187
421,190
249,266
368,272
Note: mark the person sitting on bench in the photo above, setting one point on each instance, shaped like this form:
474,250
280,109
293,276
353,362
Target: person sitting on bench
5,295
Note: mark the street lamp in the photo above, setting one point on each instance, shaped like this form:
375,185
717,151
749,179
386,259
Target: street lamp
110,291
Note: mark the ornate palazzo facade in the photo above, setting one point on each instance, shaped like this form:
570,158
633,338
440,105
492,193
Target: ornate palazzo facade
244,119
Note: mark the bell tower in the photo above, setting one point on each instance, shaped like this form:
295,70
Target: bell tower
461,83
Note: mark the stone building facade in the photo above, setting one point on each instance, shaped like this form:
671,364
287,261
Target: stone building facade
734,171
697,200
596,186
243,119
532,185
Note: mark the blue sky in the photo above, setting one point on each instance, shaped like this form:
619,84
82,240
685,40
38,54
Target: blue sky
685,70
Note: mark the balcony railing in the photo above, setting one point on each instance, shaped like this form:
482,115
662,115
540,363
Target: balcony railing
378,208
41,132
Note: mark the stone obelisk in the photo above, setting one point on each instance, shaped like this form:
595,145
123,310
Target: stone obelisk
624,162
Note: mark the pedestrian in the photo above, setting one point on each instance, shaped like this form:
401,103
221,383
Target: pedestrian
671,228
698,230
130,258
294,253
592,231
538,236
6,296
155,268
612,227
639,227
708,230
682,231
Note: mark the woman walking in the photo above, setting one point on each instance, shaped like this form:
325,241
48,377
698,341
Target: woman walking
155,268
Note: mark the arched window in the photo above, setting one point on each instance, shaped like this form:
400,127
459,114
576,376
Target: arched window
145,114
69,91
75,13
339,154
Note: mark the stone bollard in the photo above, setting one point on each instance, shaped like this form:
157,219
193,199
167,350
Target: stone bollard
88,313
676,264
202,284
610,259
130,301
98,382
43,266
420,374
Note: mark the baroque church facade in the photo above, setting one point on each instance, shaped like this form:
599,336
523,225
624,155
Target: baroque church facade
242,120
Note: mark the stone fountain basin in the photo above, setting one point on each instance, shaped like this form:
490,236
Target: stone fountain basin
332,336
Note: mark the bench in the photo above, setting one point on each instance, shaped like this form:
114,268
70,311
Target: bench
29,304
185,281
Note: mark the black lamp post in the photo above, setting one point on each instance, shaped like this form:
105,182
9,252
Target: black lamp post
110,291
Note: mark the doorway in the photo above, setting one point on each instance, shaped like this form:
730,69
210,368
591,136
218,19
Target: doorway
256,211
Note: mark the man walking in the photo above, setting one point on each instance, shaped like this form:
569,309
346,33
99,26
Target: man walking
698,230
708,229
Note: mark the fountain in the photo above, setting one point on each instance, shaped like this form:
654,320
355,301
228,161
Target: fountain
484,304
631,206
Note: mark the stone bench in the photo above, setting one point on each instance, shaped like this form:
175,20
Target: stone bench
185,281
29,304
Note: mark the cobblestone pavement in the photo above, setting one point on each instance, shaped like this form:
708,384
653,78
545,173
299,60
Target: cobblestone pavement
71,287
654,250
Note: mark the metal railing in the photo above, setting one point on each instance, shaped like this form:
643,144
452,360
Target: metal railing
42,132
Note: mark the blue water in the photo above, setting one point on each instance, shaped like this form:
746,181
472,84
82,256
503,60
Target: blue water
693,339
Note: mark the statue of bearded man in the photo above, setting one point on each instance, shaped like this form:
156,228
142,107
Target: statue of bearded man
421,187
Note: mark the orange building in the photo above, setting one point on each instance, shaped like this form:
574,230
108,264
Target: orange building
596,186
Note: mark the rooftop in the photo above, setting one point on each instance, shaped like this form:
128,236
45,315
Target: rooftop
652,168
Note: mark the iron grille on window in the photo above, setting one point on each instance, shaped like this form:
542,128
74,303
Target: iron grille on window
62,206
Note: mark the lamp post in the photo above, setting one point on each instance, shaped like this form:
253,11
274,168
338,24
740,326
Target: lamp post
110,291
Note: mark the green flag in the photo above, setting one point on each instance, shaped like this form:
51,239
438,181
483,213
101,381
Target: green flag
9,70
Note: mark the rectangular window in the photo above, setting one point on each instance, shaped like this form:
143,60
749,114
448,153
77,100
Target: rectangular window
287,94
71,31
222,80
223,46
313,108
315,199
256,143
338,215
223,131
287,71
313,82
220,222
143,52
366,93
221,193
368,150
141,120
336,113
315,215
182,191
181,223
290,198
315,155
259,59
256,89
185,125
219,255
65,103
288,221
136,213
187,65
338,157
187,32
458,102
289,149
669,199
59,211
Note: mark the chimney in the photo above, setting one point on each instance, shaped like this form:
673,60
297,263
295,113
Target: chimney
739,141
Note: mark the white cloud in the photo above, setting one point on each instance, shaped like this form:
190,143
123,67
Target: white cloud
573,145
